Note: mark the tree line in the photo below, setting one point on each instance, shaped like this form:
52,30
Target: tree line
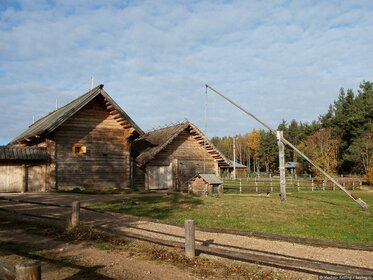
340,141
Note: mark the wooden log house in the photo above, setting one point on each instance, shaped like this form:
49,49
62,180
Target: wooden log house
88,141
167,158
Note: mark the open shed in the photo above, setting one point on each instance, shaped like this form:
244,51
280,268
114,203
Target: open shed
205,184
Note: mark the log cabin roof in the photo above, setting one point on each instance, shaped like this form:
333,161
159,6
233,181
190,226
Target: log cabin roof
10,153
50,122
153,142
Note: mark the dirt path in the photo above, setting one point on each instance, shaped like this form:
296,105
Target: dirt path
61,260
120,223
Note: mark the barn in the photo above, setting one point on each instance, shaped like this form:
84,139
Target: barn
88,142
167,158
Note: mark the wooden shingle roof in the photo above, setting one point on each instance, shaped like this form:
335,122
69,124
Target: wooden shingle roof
9,153
210,178
53,120
153,142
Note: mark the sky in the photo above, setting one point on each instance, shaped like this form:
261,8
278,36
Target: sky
280,60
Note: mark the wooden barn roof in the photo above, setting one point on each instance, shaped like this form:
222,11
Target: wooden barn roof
53,120
9,153
153,142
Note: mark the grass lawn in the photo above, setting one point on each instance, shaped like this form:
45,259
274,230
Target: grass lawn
319,214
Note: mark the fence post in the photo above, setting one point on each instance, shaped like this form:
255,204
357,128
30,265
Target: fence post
75,214
190,245
240,186
28,271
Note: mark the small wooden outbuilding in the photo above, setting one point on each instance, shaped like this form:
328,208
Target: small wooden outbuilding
23,169
205,184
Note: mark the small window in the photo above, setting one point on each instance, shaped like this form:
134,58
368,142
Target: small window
79,149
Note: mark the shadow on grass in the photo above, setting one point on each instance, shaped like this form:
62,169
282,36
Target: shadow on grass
160,207
84,272
314,199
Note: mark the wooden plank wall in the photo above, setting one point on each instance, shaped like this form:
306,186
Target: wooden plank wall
107,161
160,177
189,156
12,177
18,177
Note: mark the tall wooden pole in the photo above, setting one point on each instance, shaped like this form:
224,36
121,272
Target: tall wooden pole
281,156
234,157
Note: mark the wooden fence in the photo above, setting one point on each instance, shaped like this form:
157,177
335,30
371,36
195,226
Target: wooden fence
265,185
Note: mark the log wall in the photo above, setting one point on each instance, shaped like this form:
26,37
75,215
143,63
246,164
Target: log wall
198,186
138,177
106,163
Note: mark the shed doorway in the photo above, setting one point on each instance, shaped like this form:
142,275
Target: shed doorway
160,177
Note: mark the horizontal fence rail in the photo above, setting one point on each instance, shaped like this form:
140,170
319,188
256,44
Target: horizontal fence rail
265,185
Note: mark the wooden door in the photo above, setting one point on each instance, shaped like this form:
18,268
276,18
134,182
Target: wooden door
36,178
159,177
12,178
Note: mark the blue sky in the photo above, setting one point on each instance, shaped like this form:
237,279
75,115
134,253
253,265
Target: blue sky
278,59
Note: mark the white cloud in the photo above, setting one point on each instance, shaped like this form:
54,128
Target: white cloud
281,60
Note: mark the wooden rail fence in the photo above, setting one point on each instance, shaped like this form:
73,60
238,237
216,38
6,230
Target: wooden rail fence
265,185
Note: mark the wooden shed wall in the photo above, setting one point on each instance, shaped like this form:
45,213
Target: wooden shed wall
12,177
106,163
187,157
198,186
36,178
19,177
